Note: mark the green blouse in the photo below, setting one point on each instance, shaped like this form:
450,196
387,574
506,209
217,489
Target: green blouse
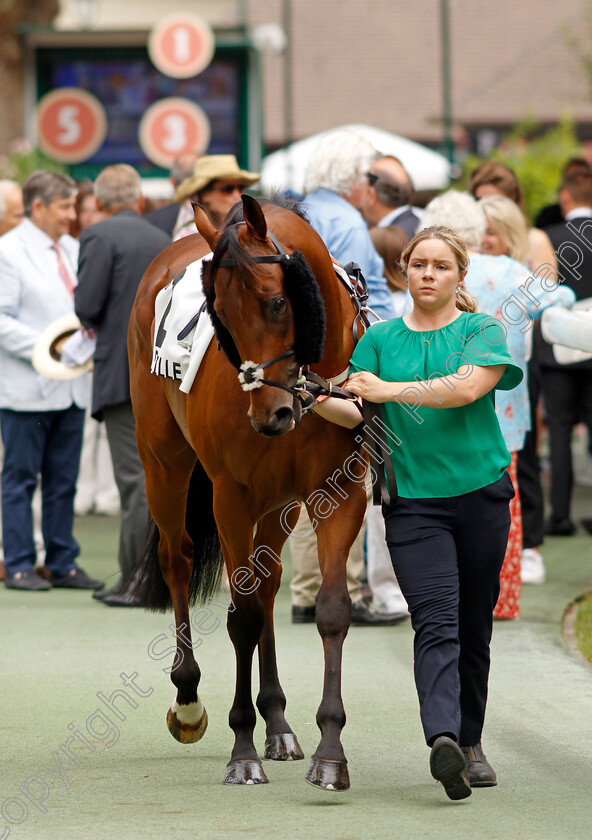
440,452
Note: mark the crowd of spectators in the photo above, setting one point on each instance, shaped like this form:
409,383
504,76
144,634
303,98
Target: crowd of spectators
85,240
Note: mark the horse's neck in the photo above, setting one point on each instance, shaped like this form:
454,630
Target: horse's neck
338,331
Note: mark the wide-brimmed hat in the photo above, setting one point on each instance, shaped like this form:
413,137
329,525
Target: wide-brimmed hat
213,168
47,353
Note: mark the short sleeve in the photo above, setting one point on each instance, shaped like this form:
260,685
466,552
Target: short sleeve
485,345
365,355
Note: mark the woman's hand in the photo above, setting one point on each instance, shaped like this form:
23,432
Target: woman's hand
369,387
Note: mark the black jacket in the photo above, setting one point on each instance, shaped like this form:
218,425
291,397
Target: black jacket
114,254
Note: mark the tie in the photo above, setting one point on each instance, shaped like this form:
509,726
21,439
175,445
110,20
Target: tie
64,273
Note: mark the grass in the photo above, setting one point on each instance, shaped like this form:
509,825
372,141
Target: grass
584,627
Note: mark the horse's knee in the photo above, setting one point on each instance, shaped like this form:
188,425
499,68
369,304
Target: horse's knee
333,612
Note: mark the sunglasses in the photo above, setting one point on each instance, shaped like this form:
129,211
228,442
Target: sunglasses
372,178
228,189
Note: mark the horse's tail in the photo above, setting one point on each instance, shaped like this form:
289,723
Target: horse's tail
148,584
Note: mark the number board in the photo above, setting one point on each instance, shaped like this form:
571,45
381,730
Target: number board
172,126
71,125
181,46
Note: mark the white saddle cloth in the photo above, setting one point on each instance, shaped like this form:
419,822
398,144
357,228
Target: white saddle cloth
182,328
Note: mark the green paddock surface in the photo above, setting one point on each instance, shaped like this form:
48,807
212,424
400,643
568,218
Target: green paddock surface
125,776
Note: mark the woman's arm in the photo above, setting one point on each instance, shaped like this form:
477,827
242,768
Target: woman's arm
343,412
540,250
467,385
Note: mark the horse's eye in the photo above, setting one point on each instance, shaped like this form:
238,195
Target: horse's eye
278,305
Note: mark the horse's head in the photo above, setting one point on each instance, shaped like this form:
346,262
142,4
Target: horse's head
267,311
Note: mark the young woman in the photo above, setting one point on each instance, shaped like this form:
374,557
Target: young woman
506,232
435,372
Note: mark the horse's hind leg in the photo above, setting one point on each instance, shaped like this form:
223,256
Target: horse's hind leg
168,463
281,744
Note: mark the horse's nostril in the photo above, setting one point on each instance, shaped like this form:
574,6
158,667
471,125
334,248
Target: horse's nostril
282,418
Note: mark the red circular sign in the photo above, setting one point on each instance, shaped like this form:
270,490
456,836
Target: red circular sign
172,126
71,125
181,46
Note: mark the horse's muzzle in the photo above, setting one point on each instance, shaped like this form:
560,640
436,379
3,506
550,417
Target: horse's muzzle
280,422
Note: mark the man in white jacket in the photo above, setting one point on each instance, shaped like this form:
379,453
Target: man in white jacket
41,420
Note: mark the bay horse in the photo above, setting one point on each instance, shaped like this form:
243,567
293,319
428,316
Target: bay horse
245,453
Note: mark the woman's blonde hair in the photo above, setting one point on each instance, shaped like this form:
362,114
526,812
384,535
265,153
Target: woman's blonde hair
464,301
509,223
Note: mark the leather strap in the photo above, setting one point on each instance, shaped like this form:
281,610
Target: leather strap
385,489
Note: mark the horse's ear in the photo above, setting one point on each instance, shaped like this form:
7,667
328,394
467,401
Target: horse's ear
204,226
254,218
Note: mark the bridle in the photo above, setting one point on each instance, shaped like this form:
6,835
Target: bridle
251,374
308,384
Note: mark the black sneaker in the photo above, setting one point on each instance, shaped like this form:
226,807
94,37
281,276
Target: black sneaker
447,765
560,528
479,770
303,615
76,579
27,580
364,616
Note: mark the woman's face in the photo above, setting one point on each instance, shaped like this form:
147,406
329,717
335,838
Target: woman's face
491,243
89,213
484,190
433,274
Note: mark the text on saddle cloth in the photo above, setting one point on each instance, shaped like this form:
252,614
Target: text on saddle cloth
182,330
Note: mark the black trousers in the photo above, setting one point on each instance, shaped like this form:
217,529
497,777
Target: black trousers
447,555
532,502
568,400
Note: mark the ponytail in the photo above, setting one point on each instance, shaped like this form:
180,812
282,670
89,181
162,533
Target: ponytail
464,301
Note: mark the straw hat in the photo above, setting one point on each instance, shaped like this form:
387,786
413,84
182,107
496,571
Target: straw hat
47,353
213,168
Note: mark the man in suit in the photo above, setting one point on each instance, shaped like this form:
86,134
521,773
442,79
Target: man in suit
114,254
388,201
567,389
41,420
173,218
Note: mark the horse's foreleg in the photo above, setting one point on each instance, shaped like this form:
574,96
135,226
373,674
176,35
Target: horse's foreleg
245,623
280,744
328,766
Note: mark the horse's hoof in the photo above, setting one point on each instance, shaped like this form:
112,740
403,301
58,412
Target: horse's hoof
245,772
283,747
328,775
187,724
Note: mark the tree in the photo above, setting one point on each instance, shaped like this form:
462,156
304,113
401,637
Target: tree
13,14
537,157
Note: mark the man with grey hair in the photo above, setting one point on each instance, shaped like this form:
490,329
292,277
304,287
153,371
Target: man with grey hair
11,205
388,201
114,254
336,184
41,420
